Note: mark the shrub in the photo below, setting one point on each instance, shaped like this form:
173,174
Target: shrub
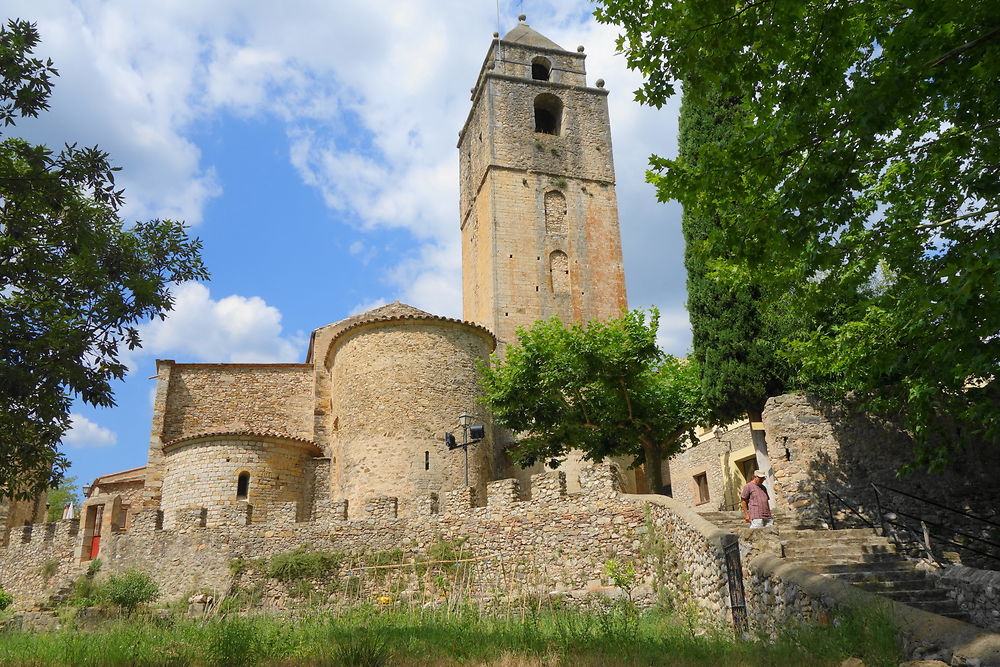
130,589
94,567
241,599
303,564
85,592
6,599
361,651
49,568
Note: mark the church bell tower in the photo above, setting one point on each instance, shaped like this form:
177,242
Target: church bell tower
539,215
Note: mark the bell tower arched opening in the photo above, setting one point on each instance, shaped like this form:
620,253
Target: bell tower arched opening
548,114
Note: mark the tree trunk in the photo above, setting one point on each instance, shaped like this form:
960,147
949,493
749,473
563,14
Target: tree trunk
760,449
654,466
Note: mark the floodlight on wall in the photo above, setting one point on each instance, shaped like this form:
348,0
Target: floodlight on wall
478,432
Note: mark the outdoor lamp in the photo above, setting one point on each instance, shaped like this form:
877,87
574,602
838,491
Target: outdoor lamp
464,419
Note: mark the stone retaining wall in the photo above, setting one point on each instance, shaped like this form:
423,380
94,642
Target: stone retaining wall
781,594
977,593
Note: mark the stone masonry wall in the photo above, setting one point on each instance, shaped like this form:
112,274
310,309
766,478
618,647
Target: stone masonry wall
977,593
780,595
397,387
552,542
204,473
711,458
833,448
205,398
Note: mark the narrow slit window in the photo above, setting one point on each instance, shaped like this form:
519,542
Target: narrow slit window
243,486
427,460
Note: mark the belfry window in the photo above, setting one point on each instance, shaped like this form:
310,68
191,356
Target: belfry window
548,114
540,68
243,486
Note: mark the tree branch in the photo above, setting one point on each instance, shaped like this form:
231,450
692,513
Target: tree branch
957,51
730,18
958,218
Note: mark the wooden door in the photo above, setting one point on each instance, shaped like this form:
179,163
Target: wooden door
95,540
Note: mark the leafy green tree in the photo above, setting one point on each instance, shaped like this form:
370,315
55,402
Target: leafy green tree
863,176
604,390
75,280
61,495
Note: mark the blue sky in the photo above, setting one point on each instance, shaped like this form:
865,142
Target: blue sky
311,146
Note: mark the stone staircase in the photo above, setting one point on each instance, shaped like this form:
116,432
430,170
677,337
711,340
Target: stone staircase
855,556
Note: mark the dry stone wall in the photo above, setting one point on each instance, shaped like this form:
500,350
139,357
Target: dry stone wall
976,591
781,595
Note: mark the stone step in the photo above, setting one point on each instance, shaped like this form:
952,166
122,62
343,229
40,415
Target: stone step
858,540
851,560
914,595
942,607
886,580
820,533
839,554
875,568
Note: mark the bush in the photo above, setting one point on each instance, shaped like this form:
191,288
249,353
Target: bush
85,592
303,564
130,589
6,599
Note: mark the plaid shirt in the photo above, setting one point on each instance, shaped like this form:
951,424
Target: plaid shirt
756,498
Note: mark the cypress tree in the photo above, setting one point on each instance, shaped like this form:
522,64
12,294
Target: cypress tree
734,341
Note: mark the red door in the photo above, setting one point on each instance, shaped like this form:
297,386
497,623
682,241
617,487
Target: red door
95,541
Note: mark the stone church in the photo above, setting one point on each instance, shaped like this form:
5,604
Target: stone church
364,415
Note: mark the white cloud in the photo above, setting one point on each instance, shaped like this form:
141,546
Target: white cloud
372,96
232,329
84,433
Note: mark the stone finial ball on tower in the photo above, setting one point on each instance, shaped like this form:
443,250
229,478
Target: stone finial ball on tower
579,49
495,34
600,83
522,18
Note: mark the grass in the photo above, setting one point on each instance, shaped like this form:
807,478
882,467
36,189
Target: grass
367,636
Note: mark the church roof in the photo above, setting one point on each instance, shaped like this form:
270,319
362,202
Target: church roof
523,33
253,433
395,311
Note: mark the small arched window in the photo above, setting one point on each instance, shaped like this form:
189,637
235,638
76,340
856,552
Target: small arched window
559,272
243,486
541,68
548,114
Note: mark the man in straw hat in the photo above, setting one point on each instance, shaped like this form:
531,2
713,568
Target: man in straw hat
756,503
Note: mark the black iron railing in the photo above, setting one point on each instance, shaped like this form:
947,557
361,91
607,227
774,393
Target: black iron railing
830,496
891,508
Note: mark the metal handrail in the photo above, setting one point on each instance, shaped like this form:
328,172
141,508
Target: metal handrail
925,523
833,521
969,515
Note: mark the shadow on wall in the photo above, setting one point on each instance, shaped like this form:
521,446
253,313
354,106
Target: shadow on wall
833,448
